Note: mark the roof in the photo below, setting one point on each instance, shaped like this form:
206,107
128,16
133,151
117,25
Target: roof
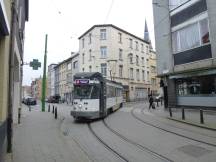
68,59
87,75
113,26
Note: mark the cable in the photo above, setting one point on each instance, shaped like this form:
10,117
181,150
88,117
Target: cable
110,8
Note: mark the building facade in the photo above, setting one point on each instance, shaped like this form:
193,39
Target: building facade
51,80
13,15
118,55
63,77
185,36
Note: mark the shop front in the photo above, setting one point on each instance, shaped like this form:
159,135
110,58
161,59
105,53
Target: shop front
196,90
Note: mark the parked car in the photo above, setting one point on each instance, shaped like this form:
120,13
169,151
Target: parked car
54,99
30,101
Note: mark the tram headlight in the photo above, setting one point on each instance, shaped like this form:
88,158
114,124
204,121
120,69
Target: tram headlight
80,106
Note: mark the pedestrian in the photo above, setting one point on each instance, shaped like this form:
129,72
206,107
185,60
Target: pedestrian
150,102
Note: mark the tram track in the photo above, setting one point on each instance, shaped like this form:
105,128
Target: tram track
141,147
184,129
168,131
106,145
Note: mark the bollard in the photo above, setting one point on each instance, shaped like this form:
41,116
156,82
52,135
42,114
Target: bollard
53,109
56,113
201,117
19,115
170,111
29,108
49,108
161,102
183,114
157,104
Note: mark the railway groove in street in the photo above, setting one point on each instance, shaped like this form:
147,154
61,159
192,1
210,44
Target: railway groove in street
106,145
179,127
143,148
165,130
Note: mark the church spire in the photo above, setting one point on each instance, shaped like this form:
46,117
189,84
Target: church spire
146,35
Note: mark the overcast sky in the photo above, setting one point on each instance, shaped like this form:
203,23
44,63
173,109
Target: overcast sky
65,20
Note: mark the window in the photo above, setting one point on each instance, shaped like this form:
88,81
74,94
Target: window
83,43
137,60
120,71
69,66
147,62
137,74
131,43
120,54
120,37
191,36
90,40
104,69
137,46
90,55
130,58
153,69
83,58
142,48
147,76
143,75
199,86
204,31
131,73
153,81
175,3
147,49
143,61
103,34
103,52
90,68
75,64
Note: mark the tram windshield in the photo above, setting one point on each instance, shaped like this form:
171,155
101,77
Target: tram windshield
86,91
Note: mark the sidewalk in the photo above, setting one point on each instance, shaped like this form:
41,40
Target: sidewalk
192,116
38,139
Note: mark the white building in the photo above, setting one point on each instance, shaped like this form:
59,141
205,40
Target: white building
118,55
51,80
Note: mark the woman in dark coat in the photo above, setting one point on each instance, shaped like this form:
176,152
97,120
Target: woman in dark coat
150,101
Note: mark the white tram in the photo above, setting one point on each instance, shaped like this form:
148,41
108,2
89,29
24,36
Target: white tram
95,96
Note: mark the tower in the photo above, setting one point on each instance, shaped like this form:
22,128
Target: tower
146,35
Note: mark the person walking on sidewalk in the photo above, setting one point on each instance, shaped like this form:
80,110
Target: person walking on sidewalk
151,102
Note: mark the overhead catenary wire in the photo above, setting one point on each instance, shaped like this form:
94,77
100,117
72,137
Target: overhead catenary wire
109,11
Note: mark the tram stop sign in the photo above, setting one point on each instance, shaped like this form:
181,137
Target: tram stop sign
35,64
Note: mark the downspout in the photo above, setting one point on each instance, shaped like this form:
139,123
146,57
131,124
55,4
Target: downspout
11,79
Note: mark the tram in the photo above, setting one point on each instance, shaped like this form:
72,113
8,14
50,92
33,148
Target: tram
95,96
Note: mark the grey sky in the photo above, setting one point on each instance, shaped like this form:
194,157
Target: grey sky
64,21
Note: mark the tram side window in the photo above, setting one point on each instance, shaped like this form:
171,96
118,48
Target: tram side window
118,92
110,91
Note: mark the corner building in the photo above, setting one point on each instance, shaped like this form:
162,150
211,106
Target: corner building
119,56
185,33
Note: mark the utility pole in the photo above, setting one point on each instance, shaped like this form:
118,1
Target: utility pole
11,77
44,76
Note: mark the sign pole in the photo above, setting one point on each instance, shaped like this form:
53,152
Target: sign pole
44,77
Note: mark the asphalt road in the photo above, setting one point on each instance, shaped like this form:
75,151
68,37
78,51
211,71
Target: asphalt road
135,134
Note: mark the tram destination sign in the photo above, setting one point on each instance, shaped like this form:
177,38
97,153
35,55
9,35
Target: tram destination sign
82,81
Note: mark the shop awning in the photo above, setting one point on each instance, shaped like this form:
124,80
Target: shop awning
193,74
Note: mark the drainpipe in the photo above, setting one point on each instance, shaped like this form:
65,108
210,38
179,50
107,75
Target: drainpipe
11,78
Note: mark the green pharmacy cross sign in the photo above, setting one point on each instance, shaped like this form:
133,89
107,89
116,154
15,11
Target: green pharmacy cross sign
35,64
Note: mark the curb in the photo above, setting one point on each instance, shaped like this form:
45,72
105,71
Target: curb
193,124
